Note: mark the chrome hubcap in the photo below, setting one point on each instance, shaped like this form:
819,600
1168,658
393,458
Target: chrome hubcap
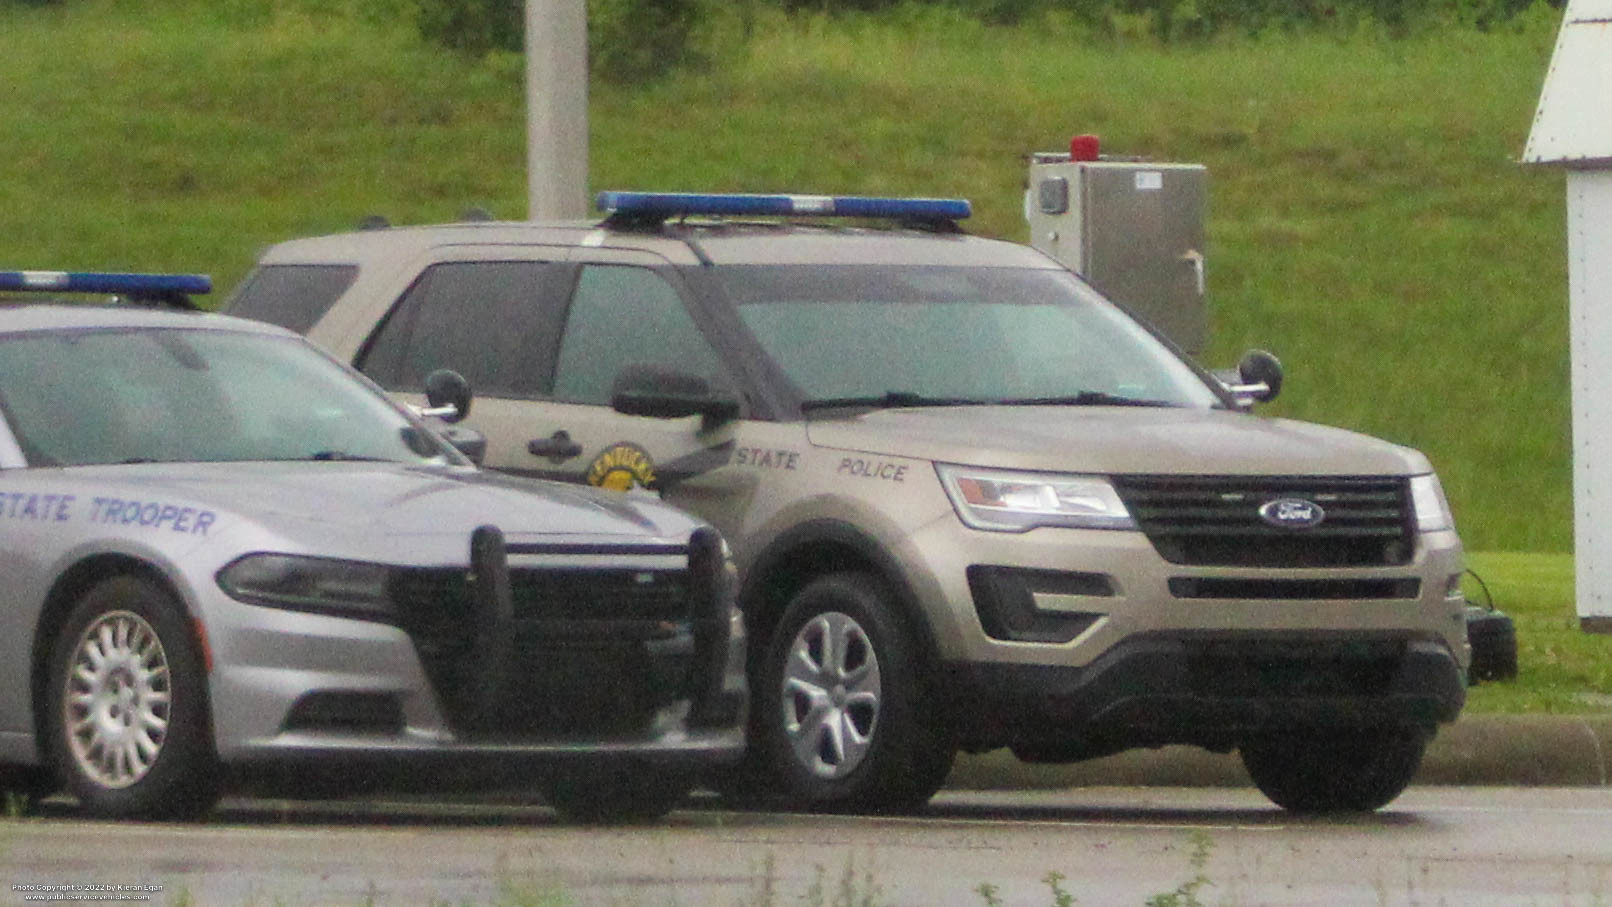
118,699
831,695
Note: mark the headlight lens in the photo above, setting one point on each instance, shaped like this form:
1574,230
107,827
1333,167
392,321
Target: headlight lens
324,585
1005,501
1432,509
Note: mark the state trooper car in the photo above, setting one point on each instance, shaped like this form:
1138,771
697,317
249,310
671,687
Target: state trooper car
227,559
973,503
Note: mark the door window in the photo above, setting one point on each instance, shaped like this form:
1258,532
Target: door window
486,320
622,315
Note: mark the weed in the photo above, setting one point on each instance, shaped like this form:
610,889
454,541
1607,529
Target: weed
525,888
857,889
764,888
853,888
1186,894
1060,898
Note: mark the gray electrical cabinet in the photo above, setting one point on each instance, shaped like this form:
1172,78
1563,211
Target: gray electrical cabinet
1134,230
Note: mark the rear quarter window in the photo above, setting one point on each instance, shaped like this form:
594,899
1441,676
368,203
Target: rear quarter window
291,296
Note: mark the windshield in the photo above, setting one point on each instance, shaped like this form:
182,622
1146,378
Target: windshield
174,395
902,335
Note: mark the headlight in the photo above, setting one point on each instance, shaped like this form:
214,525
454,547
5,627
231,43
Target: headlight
1432,509
323,585
1017,501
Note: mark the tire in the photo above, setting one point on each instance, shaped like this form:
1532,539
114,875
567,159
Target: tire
126,711
841,718
616,796
1351,770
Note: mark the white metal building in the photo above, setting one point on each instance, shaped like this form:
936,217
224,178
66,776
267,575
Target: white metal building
1573,129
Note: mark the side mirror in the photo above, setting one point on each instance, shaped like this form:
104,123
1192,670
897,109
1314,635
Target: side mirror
648,390
1259,376
447,395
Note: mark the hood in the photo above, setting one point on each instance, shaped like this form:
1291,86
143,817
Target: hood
389,499
1115,440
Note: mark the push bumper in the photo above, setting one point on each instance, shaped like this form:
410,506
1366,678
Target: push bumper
480,686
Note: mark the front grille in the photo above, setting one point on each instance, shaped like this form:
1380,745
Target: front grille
1215,520
580,649
595,597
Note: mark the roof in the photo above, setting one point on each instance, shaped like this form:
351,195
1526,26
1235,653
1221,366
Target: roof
1571,126
678,242
814,244
37,315
362,245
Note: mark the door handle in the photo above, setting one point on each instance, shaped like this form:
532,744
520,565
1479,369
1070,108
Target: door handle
558,447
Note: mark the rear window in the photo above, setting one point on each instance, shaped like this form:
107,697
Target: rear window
292,296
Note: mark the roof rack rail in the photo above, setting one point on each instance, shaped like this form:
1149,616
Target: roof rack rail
641,209
172,290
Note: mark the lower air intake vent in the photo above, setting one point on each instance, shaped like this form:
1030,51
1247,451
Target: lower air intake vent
1006,600
346,712
1197,587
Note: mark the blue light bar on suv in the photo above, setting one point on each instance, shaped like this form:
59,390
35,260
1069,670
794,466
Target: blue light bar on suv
146,286
662,205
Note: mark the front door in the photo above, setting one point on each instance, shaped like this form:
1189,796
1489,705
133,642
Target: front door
542,343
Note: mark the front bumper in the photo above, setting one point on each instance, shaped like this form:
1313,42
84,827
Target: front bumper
1215,690
1069,644
478,684
1112,586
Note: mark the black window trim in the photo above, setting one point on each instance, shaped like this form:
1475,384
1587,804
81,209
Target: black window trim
351,269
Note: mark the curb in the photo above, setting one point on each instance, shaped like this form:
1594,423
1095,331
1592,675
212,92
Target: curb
1477,750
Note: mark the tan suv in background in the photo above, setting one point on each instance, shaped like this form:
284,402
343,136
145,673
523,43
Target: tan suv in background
974,504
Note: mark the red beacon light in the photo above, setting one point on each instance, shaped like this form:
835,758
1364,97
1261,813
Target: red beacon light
1083,148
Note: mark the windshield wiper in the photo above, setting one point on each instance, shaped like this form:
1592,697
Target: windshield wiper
889,400
1084,398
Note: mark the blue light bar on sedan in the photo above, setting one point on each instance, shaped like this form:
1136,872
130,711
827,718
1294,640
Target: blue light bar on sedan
138,285
652,205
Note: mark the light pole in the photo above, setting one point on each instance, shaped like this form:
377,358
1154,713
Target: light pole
557,108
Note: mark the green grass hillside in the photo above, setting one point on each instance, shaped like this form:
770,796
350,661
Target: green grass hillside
1368,221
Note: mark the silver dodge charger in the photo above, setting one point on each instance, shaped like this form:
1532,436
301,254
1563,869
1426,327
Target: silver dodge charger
229,562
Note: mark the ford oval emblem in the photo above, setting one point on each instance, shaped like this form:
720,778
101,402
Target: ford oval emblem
1292,513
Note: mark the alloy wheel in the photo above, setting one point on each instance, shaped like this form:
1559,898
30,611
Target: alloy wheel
117,700
831,695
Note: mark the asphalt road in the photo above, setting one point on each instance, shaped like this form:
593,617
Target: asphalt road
1113,845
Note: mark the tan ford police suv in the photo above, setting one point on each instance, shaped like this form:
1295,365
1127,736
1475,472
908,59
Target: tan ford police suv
974,504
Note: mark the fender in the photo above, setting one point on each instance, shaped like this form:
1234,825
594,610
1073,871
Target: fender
799,551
